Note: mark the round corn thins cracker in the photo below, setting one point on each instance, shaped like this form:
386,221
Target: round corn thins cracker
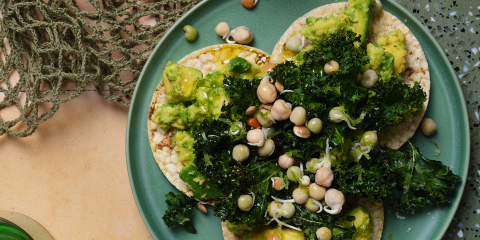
207,60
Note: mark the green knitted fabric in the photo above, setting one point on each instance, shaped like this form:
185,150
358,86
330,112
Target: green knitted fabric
57,44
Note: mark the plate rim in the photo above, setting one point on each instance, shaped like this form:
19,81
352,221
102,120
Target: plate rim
465,124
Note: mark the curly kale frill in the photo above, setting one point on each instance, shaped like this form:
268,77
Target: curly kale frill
420,181
180,209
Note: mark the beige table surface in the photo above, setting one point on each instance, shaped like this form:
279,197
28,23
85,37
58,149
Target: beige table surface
71,174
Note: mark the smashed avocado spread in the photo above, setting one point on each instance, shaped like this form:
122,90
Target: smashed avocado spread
362,221
394,43
180,82
356,17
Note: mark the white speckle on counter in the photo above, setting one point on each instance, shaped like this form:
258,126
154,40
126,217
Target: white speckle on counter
409,230
427,7
460,233
476,115
474,51
460,76
478,172
460,225
471,30
432,19
476,64
478,211
398,216
453,13
465,68
476,225
470,13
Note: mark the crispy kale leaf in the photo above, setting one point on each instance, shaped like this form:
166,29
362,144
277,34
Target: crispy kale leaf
259,187
422,182
391,103
180,209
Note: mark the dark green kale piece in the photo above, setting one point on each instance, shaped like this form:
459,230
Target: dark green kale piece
180,209
242,92
239,64
259,187
421,182
391,103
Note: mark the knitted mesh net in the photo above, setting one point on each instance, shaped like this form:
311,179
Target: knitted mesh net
52,49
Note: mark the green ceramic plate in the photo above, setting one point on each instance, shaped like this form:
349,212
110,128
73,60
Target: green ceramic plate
267,21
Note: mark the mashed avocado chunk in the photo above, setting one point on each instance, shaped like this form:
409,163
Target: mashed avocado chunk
284,233
184,147
363,223
317,27
394,43
358,13
180,82
380,61
202,188
356,17
213,95
169,115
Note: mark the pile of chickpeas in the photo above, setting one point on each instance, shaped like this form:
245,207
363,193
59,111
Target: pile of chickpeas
309,194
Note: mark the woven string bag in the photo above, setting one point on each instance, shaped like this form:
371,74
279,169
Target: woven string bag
53,50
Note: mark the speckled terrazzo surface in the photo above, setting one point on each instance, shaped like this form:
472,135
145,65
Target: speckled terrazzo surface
455,25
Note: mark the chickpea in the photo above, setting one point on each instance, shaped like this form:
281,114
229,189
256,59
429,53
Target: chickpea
315,125
251,110
324,176
266,92
311,206
300,196
256,137
242,35
369,138
298,116
267,67
324,233
249,3
335,200
294,44
273,236
191,33
316,192
240,153
285,161
301,131
377,7
222,29
279,87
311,164
273,206
264,118
278,183
331,67
428,127
280,110
294,174
245,203
305,181
369,78
336,114
267,148
288,209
